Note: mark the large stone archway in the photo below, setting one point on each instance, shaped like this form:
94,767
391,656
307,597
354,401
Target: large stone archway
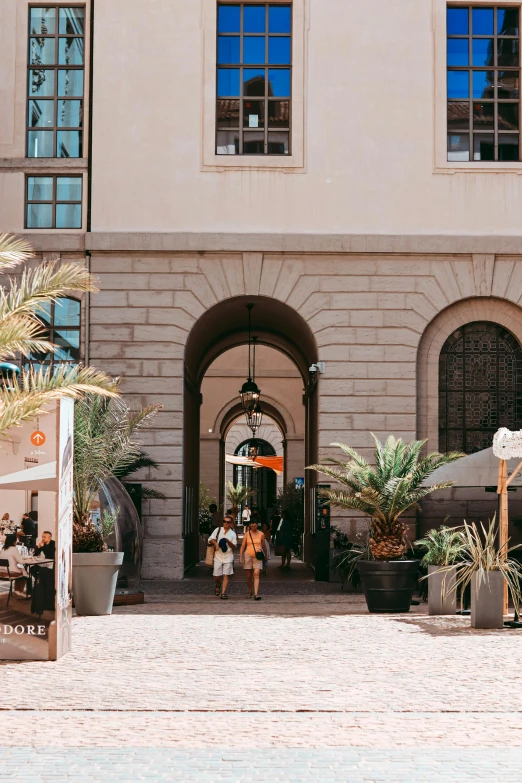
220,329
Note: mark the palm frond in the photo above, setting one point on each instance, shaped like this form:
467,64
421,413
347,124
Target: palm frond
20,334
104,444
13,251
27,396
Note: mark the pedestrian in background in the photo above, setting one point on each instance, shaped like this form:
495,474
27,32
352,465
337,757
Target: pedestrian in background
253,554
284,539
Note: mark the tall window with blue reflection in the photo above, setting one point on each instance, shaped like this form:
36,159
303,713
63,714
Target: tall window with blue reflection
254,79
483,76
61,325
55,81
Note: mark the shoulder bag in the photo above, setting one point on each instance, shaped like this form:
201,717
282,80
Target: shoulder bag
211,551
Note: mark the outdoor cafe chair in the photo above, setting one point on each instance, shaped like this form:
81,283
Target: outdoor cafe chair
9,578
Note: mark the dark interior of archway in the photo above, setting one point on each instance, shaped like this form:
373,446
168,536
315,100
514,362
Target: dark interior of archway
225,325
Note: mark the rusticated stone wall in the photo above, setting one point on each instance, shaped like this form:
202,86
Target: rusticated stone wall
368,314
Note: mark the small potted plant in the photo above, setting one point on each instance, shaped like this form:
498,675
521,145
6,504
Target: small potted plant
443,549
487,568
384,492
95,567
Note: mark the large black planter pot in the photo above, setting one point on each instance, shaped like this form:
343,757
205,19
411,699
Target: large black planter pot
388,584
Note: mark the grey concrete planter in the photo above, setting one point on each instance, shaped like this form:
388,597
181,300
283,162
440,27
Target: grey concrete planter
436,604
487,601
94,581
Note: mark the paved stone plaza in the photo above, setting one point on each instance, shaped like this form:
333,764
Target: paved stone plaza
295,688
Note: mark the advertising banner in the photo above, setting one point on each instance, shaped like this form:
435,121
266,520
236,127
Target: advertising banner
36,506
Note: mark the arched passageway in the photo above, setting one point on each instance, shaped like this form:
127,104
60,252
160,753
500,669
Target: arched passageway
224,327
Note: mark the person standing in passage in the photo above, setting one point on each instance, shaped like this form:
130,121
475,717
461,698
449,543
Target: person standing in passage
245,517
253,542
215,515
284,538
224,540
266,532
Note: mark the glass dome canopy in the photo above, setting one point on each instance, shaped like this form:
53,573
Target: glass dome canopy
127,536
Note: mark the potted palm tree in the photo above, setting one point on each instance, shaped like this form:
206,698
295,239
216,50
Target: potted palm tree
384,492
487,568
104,445
443,548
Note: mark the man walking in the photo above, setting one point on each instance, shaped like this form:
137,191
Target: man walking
224,540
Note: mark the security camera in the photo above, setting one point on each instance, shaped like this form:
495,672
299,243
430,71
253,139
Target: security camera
318,367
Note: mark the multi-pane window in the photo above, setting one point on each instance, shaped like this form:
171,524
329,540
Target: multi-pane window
483,83
55,82
61,323
254,78
54,202
480,387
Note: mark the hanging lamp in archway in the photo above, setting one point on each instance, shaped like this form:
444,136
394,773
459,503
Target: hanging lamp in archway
249,392
254,417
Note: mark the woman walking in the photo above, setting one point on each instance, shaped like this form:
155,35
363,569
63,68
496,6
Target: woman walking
253,554
284,538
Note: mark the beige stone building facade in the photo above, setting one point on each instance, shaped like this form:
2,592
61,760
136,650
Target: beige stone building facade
363,240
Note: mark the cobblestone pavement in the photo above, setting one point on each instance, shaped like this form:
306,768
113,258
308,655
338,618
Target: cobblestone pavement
303,688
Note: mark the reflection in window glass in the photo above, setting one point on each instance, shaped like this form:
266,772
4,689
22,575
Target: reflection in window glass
40,144
482,52
54,202
482,21
228,49
42,21
40,188
279,19
62,320
55,69
279,50
458,147
42,51
229,19
458,51
491,35
483,146
254,20
41,113
256,69
483,84
457,21
254,49
228,82
72,21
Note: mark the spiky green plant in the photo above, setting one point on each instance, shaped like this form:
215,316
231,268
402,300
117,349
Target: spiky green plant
443,546
237,495
385,491
22,332
104,442
480,557
125,472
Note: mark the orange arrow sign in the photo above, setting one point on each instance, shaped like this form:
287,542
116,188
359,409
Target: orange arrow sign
38,438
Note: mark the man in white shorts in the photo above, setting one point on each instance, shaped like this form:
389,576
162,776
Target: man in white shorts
225,541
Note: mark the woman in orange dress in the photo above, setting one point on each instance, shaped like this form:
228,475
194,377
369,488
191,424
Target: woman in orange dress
253,544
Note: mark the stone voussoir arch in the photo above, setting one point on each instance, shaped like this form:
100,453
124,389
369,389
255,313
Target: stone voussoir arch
498,311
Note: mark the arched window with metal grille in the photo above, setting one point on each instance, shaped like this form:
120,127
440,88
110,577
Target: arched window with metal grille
480,386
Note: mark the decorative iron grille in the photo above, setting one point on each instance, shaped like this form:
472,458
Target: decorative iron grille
480,387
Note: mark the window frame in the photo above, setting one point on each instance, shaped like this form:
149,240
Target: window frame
55,98
54,201
441,165
295,161
266,66
51,328
470,69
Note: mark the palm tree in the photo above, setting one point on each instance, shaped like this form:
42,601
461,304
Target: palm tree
25,397
237,495
386,491
126,471
104,445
